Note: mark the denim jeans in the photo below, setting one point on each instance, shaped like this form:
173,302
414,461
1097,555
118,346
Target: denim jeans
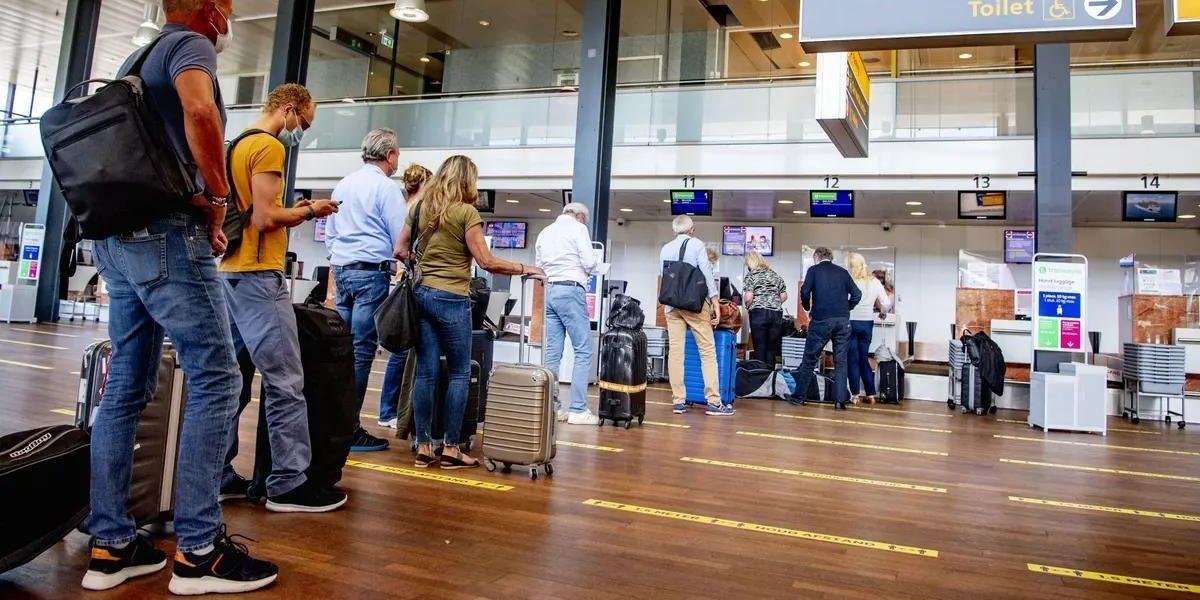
766,329
264,324
359,294
566,313
819,334
393,377
857,355
163,280
445,331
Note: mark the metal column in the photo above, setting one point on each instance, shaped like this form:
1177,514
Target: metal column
74,66
597,101
289,63
1052,156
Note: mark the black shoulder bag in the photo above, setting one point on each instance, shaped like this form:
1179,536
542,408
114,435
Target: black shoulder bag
398,319
683,285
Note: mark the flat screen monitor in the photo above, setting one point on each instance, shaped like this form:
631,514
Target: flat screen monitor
568,196
691,202
1019,247
832,204
486,202
1151,207
507,234
30,197
982,205
737,240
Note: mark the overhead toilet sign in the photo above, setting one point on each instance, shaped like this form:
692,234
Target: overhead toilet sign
843,25
1059,296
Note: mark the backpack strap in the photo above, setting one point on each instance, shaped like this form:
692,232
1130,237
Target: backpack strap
683,248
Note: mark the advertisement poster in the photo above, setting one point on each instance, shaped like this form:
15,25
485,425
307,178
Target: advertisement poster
1060,312
32,238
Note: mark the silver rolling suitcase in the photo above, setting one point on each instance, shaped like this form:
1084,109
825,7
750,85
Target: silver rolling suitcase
518,428
156,442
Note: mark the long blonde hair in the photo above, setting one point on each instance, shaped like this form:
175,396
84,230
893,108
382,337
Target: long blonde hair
454,182
857,265
755,261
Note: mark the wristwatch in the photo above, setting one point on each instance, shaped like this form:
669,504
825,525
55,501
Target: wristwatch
216,200
312,214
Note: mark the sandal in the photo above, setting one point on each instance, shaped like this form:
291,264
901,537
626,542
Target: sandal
424,461
450,463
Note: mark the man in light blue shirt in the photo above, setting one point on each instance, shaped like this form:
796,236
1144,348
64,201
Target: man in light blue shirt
360,238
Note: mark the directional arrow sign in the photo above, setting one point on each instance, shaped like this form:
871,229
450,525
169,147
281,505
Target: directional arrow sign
1103,10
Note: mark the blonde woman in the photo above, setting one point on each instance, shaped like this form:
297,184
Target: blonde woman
448,236
862,324
764,294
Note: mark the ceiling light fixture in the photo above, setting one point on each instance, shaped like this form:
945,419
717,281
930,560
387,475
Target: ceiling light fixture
785,202
917,213
485,23
667,200
914,203
513,201
966,56
1187,216
149,29
409,11
799,212
805,63
569,33
543,210
626,210
786,35
424,59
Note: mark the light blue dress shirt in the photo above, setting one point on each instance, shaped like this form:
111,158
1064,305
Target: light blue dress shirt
695,255
369,219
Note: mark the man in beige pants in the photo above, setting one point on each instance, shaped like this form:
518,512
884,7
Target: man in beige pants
685,247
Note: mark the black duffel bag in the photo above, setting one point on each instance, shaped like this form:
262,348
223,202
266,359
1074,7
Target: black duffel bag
112,158
626,313
44,480
683,284
398,319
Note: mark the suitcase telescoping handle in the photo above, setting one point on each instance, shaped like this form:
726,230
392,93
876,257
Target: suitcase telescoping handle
523,339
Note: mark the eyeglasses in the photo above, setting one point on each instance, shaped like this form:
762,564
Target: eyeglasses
304,123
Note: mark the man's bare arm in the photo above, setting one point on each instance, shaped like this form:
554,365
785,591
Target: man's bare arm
203,127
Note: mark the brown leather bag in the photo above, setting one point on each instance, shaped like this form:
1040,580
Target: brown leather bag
729,317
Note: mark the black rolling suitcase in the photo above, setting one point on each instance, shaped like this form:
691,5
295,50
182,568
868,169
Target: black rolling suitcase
482,350
976,397
891,382
623,366
44,480
437,427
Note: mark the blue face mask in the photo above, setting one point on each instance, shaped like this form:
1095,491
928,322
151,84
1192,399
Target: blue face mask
291,137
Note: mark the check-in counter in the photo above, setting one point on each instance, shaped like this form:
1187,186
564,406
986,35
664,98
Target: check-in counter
1015,340
1189,338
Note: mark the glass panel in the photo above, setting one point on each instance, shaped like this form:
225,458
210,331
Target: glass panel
20,140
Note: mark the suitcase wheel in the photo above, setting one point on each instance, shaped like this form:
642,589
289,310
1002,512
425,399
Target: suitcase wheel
641,418
1135,420
549,468
507,468
964,409
950,403
1167,418
628,423
979,411
1182,424
490,465
533,473
992,410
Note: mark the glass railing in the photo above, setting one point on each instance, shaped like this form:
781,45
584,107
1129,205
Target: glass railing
1123,103
20,139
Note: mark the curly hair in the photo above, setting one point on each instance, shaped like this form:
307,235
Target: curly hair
288,93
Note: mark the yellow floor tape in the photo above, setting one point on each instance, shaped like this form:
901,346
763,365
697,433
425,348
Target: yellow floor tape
33,344
865,423
1118,429
1108,509
1112,578
1101,470
845,444
589,446
1091,445
795,533
50,333
429,475
26,365
63,411
812,475
661,424
890,411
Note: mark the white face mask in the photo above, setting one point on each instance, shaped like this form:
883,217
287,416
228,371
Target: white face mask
224,40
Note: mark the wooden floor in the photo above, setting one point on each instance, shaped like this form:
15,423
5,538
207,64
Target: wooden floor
776,502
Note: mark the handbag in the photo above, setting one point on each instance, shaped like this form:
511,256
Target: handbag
683,284
398,320
729,317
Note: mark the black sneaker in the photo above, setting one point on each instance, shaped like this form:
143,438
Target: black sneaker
111,567
365,442
228,569
237,489
307,499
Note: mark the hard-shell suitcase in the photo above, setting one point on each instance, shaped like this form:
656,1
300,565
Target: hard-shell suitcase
44,480
891,382
470,422
156,441
483,345
623,364
693,375
975,396
519,427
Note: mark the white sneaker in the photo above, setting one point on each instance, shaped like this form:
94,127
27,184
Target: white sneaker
586,417
389,424
562,416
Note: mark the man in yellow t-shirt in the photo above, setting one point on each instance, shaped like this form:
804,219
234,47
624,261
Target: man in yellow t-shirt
260,307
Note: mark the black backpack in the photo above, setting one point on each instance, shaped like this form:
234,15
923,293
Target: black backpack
235,218
112,158
683,284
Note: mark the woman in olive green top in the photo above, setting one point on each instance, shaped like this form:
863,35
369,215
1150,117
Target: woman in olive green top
449,234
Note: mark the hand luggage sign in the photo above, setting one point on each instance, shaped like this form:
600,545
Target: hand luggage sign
32,238
1059,302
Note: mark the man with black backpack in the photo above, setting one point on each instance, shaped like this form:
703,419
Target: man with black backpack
260,305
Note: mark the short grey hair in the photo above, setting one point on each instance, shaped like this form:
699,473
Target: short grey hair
682,224
378,143
822,253
576,208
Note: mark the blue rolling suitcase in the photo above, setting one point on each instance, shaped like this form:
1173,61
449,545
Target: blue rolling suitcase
693,377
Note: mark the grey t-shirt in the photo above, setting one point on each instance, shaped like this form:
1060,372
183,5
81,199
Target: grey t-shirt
179,50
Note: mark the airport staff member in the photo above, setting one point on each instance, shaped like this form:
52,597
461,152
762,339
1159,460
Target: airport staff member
260,304
360,239
701,323
828,294
564,251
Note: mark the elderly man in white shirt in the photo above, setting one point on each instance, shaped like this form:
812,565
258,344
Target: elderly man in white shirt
701,323
564,251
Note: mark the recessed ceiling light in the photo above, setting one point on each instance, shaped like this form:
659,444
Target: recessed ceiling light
1187,216
513,201
626,210
966,56
667,200
485,23
799,212
424,59
569,33
543,210
917,213
805,63
913,203
785,202
785,36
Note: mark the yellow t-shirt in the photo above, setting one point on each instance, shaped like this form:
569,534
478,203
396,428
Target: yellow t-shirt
260,153
445,258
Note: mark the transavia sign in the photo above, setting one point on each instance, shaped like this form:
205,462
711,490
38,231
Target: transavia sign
837,25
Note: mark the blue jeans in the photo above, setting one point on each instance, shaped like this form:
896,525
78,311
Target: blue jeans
566,313
445,331
819,334
857,357
163,280
393,377
359,294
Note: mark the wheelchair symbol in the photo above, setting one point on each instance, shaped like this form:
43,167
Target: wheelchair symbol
1059,10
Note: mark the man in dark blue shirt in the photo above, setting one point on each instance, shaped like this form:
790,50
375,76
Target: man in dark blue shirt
828,294
163,280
